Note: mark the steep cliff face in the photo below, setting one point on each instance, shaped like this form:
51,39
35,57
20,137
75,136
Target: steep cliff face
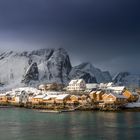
44,65
31,74
58,67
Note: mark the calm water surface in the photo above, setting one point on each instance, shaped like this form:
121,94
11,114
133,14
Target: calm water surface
23,124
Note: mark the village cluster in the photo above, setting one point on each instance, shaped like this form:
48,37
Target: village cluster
76,95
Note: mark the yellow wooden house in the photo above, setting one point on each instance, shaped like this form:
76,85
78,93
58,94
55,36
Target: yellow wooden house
131,96
114,98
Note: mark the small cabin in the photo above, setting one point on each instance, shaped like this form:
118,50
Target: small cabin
62,98
38,99
3,98
72,100
114,98
92,95
49,99
96,95
131,96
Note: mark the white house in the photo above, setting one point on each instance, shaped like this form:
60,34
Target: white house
21,97
77,85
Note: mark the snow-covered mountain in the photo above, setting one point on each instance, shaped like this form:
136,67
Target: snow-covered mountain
91,74
45,65
127,79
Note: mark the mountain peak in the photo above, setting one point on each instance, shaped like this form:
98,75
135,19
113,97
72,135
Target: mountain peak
127,79
86,68
45,66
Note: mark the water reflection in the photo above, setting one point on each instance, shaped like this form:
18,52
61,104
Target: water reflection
23,124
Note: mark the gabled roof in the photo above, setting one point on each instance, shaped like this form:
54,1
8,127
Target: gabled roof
109,84
116,88
61,97
79,81
117,95
39,96
49,97
93,92
54,92
3,94
105,94
98,92
75,81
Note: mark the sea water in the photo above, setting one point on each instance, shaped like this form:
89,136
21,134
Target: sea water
26,124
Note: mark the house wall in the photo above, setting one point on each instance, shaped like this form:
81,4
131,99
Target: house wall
113,100
37,100
77,86
3,99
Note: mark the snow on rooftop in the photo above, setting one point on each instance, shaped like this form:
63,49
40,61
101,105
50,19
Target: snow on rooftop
61,97
39,96
116,88
49,97
98,92
79,81
54,92
109,84
75,81
93,92
118,95
133,105
28,89
3,94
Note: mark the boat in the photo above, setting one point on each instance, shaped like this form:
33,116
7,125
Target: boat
49,111
69,110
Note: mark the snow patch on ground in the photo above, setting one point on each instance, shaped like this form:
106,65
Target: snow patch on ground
133,105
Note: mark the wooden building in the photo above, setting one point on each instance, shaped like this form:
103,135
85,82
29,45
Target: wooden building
62,98
115,99
38,99
3,98
96,96
77,85
131,96
73,100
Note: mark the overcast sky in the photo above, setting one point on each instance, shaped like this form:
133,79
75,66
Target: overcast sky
103,32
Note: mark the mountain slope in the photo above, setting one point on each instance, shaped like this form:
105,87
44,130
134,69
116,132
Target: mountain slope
127,79
51,65
96,75
45,66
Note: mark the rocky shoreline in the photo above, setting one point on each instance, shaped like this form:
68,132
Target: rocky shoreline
68,109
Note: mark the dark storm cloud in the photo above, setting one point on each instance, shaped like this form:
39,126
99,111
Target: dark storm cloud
107,33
